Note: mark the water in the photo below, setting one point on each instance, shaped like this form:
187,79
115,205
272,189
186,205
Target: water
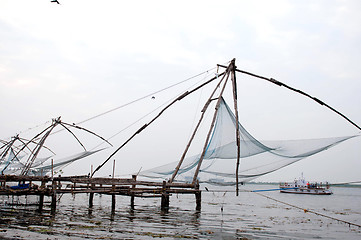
223,216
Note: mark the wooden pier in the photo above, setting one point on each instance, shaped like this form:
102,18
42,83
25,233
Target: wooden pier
52,187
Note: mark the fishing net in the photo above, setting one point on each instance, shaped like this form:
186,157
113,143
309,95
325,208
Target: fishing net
41,166
257,157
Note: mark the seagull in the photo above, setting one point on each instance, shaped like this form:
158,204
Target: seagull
56,1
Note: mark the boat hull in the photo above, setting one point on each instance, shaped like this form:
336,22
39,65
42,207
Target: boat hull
307,191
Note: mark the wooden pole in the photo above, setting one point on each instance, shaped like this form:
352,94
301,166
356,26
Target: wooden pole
211,128
234,84
132,192
91,197
198,195
165,198
281,84
113,189
155,118
53,197
32,158
195,131
113,168
52,168
41,196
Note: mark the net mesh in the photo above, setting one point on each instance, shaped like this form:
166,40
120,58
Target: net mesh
257,157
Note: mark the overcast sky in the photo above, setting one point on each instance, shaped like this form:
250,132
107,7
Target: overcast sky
81,58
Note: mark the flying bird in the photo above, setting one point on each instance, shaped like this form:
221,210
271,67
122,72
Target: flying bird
56,1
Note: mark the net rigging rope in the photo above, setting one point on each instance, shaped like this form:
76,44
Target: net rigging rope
291,205
152,111
131,102
307,210
146,96
281,84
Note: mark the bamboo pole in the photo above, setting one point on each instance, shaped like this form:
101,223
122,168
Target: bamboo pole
204,109
234,85
151,121
30,161
211,127
281,84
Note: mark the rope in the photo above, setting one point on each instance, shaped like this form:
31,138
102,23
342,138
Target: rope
144,116
281,84
346,183
306,210
124,105
294,206
141,98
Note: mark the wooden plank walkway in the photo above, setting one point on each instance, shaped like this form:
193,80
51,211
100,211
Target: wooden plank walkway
51,187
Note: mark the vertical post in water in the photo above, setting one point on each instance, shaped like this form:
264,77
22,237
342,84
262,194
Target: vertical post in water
113,203
91,195
53,197
238,141
132,192
113,189
198,194
41,196
165,198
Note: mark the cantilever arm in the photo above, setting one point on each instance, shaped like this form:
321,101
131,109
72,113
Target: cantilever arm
88,132
274,81
73,135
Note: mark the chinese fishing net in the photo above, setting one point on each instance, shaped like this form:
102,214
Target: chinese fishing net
257,157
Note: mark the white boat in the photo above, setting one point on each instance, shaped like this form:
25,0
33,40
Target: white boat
301,186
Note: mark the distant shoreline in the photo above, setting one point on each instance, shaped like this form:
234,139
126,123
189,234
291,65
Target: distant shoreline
332,185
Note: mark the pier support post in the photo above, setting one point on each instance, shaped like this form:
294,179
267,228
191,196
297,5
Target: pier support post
113,202
198,195
41,196
41,202
165,198
132,192
53,202
91,196
53,197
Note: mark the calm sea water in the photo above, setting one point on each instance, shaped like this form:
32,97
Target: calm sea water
223,216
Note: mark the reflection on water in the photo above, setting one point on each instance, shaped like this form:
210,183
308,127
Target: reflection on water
223,216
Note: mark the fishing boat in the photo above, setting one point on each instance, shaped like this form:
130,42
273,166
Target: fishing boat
301,186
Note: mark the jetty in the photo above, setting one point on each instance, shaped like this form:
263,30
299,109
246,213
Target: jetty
53,187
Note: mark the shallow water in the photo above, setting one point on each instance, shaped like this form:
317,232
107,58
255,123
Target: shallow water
223,216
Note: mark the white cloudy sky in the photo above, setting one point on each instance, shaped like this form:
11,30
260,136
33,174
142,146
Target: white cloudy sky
82,58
